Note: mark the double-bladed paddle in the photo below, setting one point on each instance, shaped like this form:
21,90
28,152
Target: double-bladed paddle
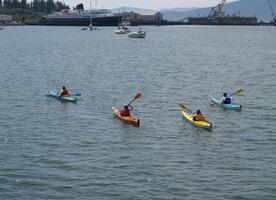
237,92
137,96
184,107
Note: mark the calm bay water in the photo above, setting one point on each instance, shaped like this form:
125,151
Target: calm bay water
55,150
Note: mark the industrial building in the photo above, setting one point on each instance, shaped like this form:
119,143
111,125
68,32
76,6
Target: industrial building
227,20
218,17
132,18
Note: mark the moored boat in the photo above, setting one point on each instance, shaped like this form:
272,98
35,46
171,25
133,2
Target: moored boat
122,30
90,28
138,34
81,17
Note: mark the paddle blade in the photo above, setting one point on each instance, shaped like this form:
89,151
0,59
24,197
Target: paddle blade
137,96
182,105
237,92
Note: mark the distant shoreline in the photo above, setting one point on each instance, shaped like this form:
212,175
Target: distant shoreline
163,23
167,24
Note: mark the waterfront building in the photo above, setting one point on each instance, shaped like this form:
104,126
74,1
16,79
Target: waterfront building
153,18
4,19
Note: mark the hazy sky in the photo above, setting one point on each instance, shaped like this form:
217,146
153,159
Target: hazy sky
150,4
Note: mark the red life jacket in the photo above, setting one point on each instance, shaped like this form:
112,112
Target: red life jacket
125,113
64,93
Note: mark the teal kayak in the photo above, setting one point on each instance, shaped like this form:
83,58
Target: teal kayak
226,106
64,98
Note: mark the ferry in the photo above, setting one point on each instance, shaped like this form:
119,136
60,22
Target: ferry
80,17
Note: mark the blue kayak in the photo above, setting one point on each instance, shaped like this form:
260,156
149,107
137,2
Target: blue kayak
226,106
64,98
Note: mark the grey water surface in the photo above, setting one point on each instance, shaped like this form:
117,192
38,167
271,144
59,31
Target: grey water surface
55,150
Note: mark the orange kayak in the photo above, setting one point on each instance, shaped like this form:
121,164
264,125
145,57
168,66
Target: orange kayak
130,120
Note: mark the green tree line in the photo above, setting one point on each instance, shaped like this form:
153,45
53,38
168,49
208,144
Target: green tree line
43,6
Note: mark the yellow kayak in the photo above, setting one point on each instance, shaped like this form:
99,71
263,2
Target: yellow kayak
188,117
202,124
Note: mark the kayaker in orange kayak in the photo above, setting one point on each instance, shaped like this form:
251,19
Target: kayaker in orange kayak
198,116
126,111
64,92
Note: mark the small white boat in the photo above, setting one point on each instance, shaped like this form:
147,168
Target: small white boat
138,34
90,28
122,30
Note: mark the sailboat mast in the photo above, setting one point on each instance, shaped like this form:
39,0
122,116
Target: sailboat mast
90,15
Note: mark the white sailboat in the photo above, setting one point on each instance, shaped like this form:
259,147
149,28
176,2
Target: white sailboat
90,27
122,30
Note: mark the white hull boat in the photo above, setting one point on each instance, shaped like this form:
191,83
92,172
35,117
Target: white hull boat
122,30
90,28
139,34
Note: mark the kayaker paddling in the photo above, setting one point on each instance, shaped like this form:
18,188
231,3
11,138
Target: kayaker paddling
127,108
126,111
198,116
127,119
64,92
225,99
196,119
125,115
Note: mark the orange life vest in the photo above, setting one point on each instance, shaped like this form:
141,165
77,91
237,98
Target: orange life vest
198,117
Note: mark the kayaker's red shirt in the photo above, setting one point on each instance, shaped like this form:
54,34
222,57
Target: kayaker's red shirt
64,93
125,113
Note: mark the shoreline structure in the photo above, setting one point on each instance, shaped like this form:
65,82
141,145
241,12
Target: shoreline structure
104,17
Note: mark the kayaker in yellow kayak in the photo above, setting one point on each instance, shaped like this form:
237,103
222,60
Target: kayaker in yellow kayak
225,99
126,111
64,92
198,116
